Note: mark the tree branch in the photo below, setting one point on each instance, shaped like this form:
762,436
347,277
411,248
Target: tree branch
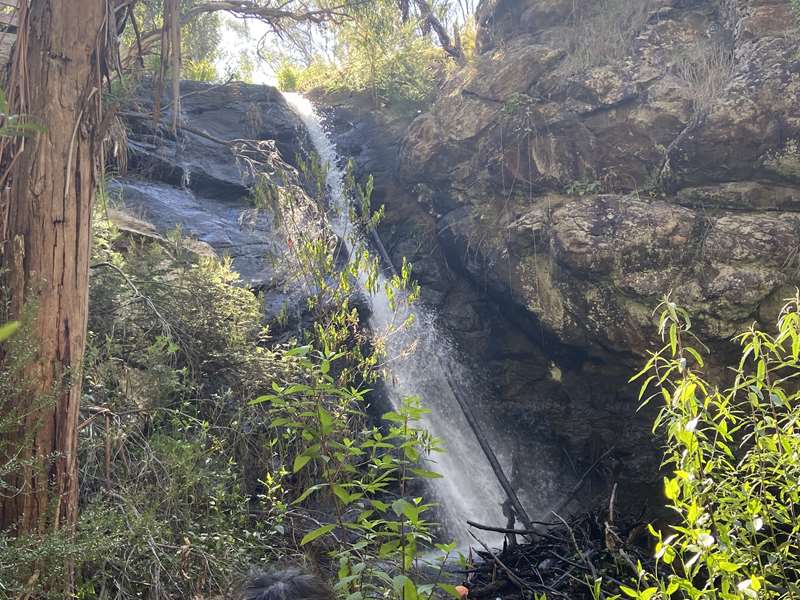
274,16
428,16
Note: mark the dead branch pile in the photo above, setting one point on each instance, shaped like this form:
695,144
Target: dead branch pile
562,559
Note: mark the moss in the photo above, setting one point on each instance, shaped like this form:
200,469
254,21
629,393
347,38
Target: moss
786,162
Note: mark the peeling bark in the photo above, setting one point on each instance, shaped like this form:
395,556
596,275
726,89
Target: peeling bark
46,253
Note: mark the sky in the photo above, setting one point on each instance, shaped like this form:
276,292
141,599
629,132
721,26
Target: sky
233,43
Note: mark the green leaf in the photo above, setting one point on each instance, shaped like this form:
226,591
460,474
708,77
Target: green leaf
325,419
298,351
672,587
673,338
308,492
7,330
425,474
319,532
262,399
648,593
406,509
404,587
297,388
394,417
342,494
300,461
629,591
450,589
388,548
696,356
671,488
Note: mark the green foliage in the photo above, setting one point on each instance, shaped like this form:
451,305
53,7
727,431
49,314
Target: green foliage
8,329
186,483
170,453
584,188
329,459
375,53
288,77
200,38
199,70
361,476
734,455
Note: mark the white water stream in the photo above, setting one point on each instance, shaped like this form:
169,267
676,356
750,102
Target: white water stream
469,489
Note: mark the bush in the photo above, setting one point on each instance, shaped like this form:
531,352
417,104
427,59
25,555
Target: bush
734,453
199,70
171,456
186,483
378,55
288,77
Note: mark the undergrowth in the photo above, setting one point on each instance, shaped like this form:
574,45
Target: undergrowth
734,456
207,447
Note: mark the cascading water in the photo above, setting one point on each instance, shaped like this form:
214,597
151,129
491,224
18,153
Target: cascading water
469,489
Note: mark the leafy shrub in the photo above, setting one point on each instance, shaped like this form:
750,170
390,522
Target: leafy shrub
184,483
171,457
288,77
376,54
356,483
199,70
735,459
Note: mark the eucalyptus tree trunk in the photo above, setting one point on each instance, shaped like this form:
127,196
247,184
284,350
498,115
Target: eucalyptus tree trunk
57,82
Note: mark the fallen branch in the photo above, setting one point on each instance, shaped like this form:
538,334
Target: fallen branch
578,548
514,531
511,575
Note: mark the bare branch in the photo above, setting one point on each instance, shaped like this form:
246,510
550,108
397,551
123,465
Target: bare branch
432,21
275,16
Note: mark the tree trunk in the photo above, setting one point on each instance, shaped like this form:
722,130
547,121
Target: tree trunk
46,254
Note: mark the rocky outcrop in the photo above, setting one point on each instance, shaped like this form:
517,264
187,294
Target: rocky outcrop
591,158
597,172
211,113
199,183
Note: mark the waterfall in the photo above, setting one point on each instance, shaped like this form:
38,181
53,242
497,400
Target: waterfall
469,489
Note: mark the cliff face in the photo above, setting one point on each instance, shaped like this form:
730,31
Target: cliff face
199,184
600,156
593,157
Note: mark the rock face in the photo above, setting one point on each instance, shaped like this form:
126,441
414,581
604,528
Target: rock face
235,111
599,171
593,157
200,185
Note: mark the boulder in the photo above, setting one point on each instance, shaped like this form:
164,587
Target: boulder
198,185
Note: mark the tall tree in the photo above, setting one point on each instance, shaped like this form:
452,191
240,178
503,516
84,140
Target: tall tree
65,49
56,79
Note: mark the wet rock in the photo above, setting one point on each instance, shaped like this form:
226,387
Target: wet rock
197,187
235,111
